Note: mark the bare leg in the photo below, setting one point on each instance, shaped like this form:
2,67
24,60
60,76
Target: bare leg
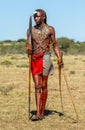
38,94
44,93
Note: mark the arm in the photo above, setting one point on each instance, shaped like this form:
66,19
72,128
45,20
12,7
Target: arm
55,47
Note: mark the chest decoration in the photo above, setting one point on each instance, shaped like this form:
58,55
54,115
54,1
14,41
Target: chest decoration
40,34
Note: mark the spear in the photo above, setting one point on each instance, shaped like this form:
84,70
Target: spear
29,62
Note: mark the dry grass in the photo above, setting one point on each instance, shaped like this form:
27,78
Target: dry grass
14,96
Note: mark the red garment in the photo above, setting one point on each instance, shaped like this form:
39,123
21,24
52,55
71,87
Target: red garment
37,64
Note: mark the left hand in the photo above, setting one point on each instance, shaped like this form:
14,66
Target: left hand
60,63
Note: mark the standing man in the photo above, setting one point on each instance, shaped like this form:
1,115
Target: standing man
43,36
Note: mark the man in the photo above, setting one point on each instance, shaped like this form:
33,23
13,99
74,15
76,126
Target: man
43,36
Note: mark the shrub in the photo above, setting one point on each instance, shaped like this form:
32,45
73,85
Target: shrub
21,40
6,63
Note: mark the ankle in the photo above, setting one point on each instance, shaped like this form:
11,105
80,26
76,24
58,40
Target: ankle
38,113
42,113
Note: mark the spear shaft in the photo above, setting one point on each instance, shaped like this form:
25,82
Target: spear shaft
29,71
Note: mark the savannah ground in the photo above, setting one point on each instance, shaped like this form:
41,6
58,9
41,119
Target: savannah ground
14,95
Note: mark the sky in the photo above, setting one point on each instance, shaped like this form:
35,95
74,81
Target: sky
66,16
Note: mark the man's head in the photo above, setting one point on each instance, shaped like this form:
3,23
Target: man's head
39,16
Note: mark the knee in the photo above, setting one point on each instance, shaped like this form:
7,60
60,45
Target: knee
38,88
44,88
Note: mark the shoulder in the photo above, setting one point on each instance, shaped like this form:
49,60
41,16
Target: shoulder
33,27
51,29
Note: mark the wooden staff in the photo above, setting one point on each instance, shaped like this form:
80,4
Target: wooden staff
59,75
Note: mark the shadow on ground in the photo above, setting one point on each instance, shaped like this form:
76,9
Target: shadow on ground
60,114
49,112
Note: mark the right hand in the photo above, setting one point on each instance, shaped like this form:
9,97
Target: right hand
60,63
29,50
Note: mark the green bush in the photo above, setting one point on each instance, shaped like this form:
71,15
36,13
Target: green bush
12,48
68,46
21,40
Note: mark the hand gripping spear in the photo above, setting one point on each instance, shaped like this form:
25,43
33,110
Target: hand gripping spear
29,72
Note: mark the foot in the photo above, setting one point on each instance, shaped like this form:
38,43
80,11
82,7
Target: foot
37,117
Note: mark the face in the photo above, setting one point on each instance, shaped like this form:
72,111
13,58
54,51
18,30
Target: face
38,17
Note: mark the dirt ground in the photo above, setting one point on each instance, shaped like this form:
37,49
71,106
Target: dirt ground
14,95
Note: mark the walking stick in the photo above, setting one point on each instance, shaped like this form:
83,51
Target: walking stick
59,75
29,72
71,97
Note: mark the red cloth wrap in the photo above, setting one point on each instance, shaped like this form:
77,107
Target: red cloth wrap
37,63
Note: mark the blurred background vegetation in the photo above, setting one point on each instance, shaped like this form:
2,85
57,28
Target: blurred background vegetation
68,46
